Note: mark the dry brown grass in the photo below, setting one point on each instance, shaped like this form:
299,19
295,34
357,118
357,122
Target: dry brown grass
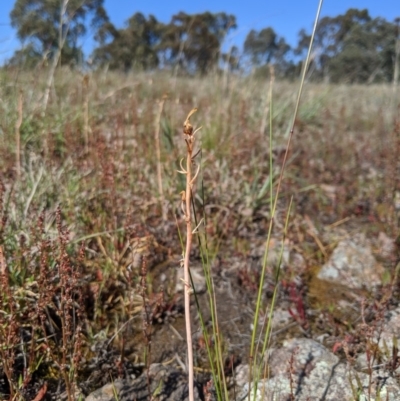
93,156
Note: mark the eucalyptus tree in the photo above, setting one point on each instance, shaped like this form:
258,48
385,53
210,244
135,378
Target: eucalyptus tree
134,46
266,47
352,47
194,41
49,27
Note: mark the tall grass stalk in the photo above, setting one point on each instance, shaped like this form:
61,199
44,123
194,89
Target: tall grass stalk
18,135
86,127
214,352
158,153
253,363
268,331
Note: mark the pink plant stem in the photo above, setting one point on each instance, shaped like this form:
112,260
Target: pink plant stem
189,236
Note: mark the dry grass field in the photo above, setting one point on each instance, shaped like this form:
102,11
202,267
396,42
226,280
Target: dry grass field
91,213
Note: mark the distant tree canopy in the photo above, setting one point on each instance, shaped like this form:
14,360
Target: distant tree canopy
191,41
352,47
194,41
43,24
266,47
135,46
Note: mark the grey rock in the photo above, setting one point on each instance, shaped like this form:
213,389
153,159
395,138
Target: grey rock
305,353
64,396
241,375
352,263
307,370
386,245
328,383
274,252
198,278
107,392
281,318
279,253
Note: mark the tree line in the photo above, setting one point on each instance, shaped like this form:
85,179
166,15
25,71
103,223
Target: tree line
352,47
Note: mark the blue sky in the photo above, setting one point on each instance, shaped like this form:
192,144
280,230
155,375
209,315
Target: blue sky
287,17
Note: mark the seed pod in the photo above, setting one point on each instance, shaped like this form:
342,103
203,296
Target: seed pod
187,127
